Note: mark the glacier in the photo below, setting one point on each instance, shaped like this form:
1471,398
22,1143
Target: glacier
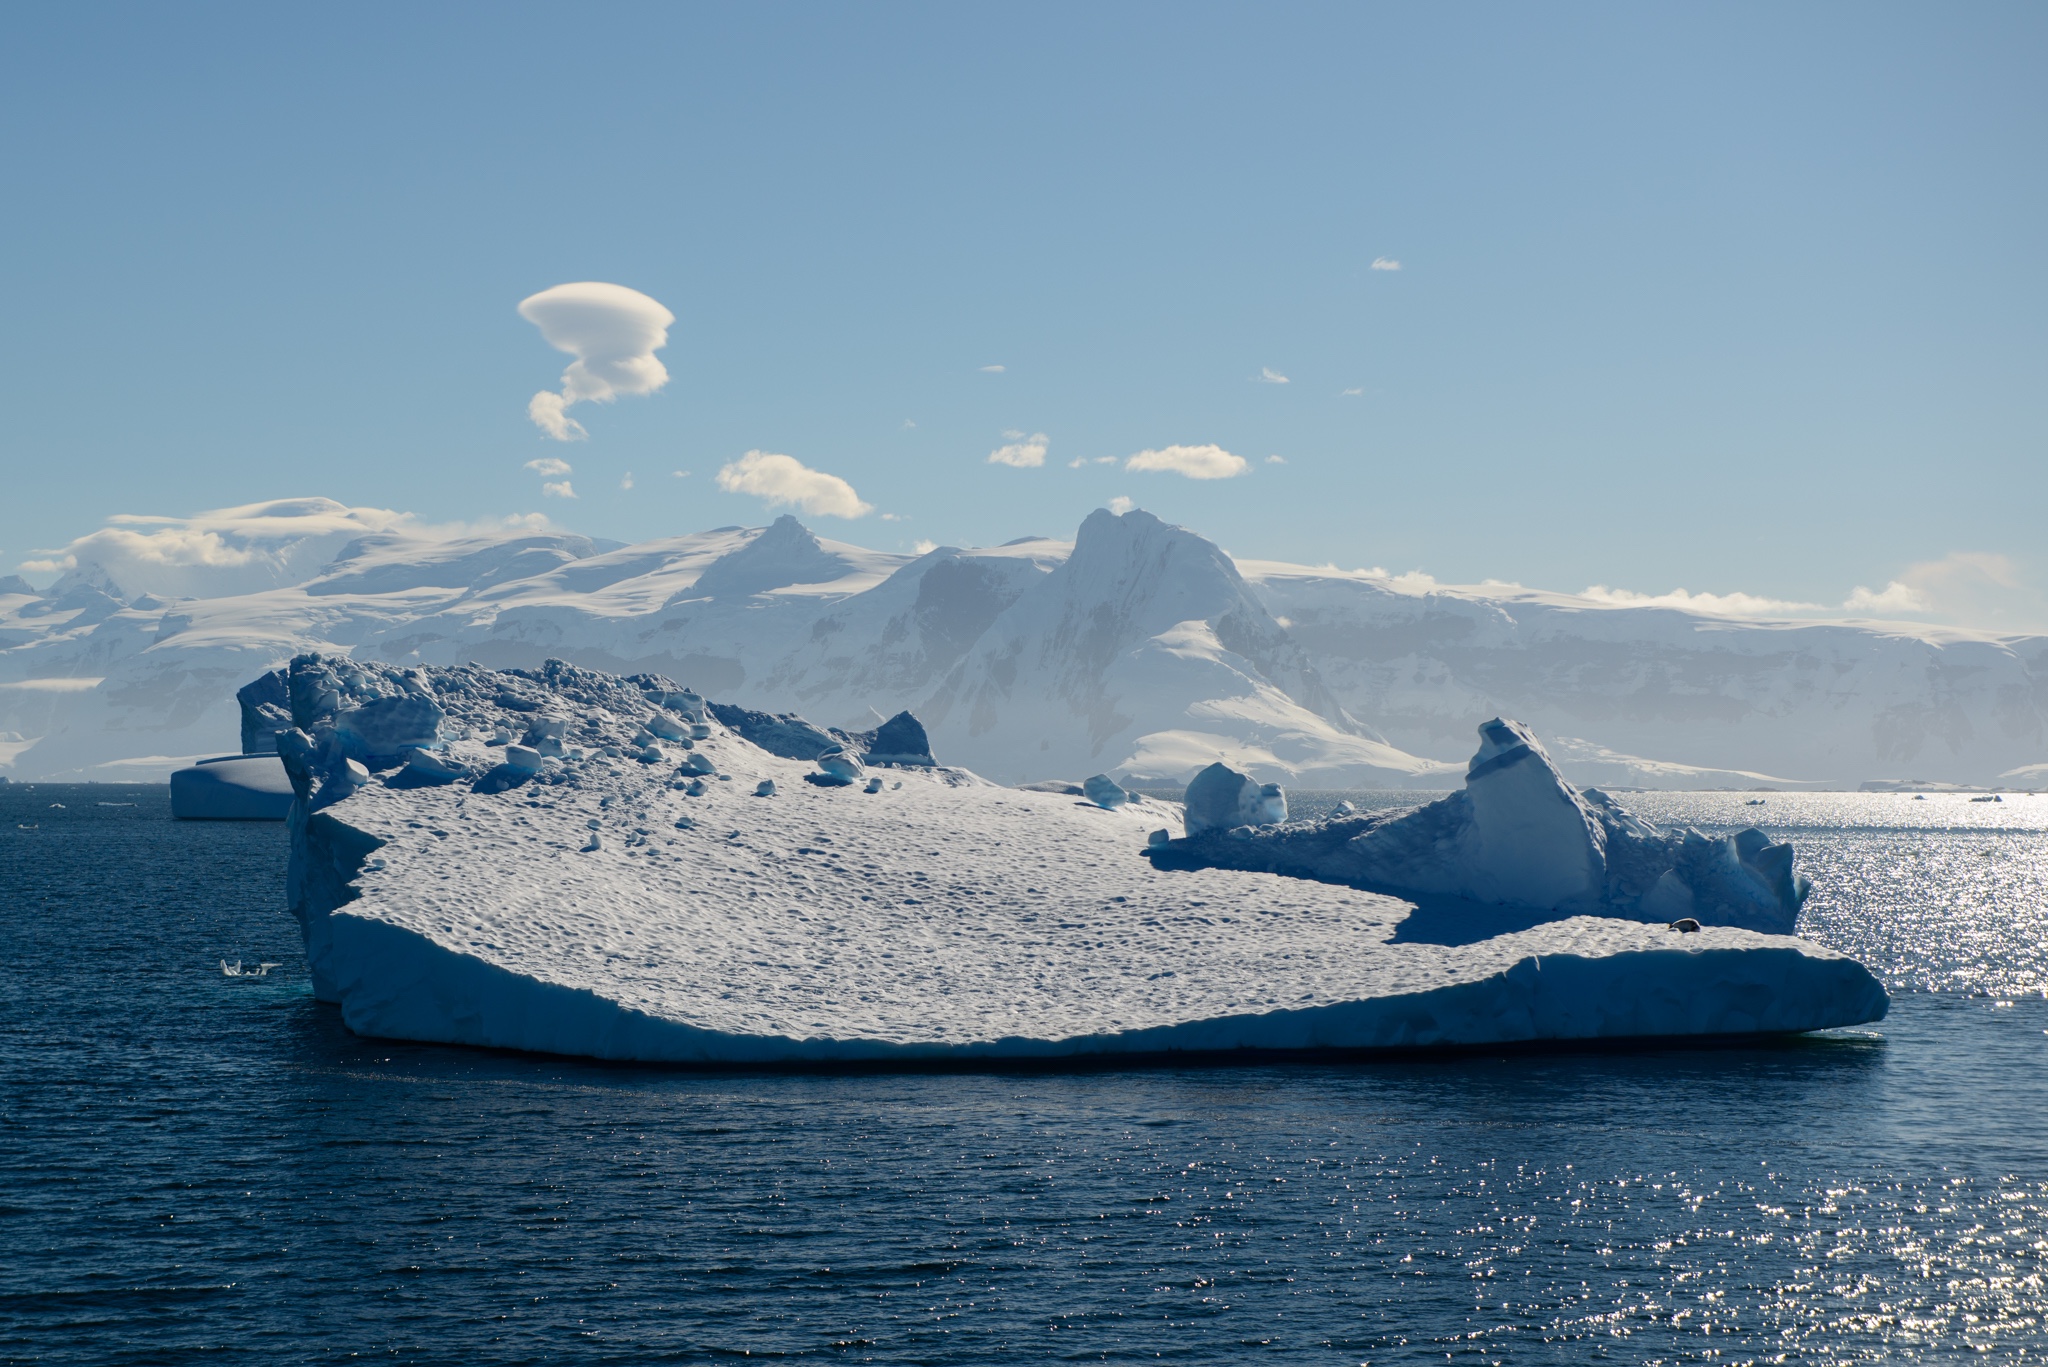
585,867
1138,650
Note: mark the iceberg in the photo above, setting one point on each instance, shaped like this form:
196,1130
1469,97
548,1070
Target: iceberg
232,788
596,905
1517,835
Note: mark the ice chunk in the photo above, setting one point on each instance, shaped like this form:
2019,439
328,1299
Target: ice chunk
900,740
433,767
840,766
787,735
1517,835
1219,798
765,788
387,727
1104,792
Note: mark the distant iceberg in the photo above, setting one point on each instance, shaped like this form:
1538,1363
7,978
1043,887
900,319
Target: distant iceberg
232,788
604,899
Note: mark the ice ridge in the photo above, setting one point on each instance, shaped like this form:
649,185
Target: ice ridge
1518,834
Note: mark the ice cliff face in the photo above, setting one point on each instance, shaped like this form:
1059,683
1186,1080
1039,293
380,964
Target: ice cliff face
1139,651
572,862
1517,835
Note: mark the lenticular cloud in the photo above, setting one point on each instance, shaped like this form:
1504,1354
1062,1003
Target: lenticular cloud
613,333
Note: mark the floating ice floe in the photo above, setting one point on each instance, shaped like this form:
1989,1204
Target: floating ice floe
943,917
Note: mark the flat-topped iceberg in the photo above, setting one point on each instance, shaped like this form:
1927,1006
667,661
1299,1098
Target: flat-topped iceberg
619,892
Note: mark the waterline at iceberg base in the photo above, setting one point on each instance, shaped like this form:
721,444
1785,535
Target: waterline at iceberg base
570,862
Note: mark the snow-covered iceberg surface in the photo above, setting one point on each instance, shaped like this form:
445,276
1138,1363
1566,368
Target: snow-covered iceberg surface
564,862
1517,835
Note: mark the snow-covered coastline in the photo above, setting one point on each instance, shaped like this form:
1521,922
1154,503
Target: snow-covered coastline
605,880
1138,649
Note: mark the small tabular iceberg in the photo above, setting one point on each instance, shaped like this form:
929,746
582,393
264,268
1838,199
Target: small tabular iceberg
555,880
232,788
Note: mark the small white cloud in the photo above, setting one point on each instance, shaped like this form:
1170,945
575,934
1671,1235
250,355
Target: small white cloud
1268,375
1353,392
679,474
1076,463
1385,263
992,370
627,482
894,517
784,481
1195,462
1026,453
1276,460
1121,505
558,489
613,332
1893,597
908,424
548,467
923,547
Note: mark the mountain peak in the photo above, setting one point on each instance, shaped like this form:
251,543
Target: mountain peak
785,552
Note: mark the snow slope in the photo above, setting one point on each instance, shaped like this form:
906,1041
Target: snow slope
588,903
1140,650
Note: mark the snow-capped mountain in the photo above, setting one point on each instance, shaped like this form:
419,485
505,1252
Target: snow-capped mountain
1139,649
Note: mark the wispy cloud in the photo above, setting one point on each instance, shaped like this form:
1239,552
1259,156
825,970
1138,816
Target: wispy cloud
1977,588
1276,460
1354,392
679,474
627,482
786,482
243,549
548,467
558,489
924,547
1121,505
1385,263
1023,452
1268,375
1195,462
613,332
992,369
1719,604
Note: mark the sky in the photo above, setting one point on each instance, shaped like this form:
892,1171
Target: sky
1729,300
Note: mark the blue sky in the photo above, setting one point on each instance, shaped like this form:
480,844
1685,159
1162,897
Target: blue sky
1729,298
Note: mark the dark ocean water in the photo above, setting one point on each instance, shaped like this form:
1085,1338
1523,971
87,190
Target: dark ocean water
206,1168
